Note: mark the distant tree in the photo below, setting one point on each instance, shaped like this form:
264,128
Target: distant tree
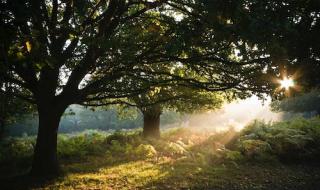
180,99
308,102
11,108
183,99
58,53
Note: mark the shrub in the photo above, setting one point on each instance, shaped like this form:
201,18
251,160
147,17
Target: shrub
233,155
16,154
293,140
123,137
145,151
255,149
173,149
80,145
118,136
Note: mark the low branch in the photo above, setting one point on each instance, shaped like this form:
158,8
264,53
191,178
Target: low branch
20,96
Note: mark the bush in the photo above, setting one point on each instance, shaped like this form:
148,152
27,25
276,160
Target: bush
16,154
293,140
145,151
80,145
173,148
124,137
255,149
226,156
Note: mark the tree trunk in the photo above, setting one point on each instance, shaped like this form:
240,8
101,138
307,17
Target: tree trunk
3,114
45,161
2,125
151,121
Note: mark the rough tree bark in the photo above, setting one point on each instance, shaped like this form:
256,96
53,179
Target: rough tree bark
151,121
45,160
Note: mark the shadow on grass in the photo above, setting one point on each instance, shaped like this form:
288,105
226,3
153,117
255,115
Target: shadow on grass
24,181
196,172
188,175
92,164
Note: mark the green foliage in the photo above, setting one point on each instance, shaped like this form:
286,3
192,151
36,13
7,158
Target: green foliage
116,147
16,148
12,109
145,151
234,155
16,154
293,140
175,148
307,102
125,113
81,145
179,99
289,141
125,137
255,149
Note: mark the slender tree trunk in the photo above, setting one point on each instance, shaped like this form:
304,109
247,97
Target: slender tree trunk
151,121
45,161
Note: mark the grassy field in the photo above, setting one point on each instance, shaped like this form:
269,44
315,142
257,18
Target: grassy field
166,173
182,159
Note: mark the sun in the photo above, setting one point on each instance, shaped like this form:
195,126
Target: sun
286,83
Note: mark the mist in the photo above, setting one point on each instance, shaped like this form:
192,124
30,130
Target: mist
236,114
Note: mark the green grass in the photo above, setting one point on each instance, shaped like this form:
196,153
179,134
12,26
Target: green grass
181,159
182,173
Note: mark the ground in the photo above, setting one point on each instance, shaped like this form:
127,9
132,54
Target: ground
167,173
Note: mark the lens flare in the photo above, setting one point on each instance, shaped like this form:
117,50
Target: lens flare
286,83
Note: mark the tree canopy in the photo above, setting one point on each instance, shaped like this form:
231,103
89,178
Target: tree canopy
286,30
81,52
